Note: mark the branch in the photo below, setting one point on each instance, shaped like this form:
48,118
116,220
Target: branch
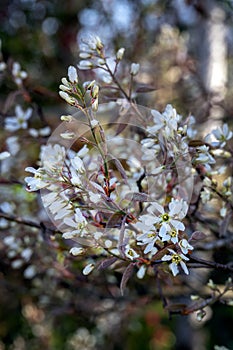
211,264
26,222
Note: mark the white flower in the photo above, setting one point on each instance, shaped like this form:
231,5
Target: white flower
185,246
72,75
176,260
166,122
141,272
67,135
85,64
3,66
148,239
166,221
83,151
88,269
18,74
52,157
37,182
26,254
134,69
13,145
222,135
76,251
78,165
78,222
4,155
20,119
69,99
120,53
223,212
171,235
94,123
94,197
204,157
85,55
29,272
130,253
66,118
93,42
206,195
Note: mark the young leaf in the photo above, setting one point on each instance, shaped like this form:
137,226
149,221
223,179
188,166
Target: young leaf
104,264
126,276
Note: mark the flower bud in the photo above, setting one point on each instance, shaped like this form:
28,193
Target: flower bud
67,135
67,98
65,82
134,69
85,55
66,118
95,105
64,88
85,64
120,54
72,74
95,91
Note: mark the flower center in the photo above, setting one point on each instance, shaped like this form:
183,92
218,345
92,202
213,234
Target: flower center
173,233
176,259
165,217
151,235
130,252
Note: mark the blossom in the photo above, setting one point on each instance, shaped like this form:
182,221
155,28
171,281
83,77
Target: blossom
149,238
85,64
76,251
120,53
222,135
171,235
130,252
166,122
37,182
176,259
141,272
18,74
165,221
4,155
185,246
88,268
78,165
72,75
78,221
3,66
52,157
69,99
204,157
134,69
20,119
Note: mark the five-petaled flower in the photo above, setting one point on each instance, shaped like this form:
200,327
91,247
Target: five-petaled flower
19,121
176,259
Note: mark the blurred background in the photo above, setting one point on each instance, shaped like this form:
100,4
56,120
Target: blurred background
185,50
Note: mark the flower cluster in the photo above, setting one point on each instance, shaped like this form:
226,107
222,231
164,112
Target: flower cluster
124,200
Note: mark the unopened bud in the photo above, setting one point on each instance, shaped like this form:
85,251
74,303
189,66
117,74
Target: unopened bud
95,91
65,82
84,55
72,74
120,53
95,105
66,118
85,64
134,69
67,135
67,98
64,88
